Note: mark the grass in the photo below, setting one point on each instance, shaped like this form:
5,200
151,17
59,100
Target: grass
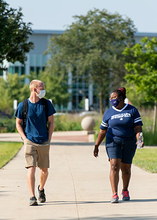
7,151
146,159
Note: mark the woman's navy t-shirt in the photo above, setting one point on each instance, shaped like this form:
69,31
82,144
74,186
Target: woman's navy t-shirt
36,129
121,123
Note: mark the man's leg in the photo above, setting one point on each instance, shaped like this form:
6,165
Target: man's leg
31,180
43,177
43,161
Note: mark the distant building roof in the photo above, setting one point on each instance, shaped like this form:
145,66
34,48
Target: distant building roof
148,34
137,34
48,31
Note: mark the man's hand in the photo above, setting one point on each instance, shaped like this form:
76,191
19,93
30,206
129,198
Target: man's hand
20,128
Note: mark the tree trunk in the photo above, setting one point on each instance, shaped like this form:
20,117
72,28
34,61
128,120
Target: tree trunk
154,119
101,103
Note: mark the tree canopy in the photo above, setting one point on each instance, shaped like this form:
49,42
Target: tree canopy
93,45
55,84
10,90
143,70
14,35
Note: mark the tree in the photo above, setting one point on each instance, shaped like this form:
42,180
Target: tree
13,88
137,100
93,45
143,71
55,84
56,89
14,35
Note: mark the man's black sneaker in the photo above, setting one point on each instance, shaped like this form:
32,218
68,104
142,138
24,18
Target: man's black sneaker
41,194
33,201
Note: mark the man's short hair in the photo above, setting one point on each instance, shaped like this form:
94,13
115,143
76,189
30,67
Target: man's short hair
34,84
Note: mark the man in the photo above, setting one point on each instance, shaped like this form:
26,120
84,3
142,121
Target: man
36,136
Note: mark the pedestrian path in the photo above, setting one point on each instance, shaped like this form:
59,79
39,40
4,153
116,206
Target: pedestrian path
62,136
77,188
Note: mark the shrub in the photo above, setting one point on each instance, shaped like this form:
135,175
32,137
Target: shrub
7,125
67,123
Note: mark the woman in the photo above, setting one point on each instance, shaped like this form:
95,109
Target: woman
121,125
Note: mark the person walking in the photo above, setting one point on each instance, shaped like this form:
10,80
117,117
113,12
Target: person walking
36,135
121,125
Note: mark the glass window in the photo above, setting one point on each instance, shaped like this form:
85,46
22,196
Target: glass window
22,70
38,70
32,69
74,101
17,69
11,70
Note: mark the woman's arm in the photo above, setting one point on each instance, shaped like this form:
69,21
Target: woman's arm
138,130
101,136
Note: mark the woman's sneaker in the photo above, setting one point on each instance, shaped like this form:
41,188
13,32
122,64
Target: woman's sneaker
33,201
125,195
41,194
115,198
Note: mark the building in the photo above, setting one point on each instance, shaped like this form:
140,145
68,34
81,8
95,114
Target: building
36,61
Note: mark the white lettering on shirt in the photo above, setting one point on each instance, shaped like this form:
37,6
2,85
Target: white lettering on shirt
123,115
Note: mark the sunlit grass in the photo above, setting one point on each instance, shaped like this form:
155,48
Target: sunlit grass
7,151
146,159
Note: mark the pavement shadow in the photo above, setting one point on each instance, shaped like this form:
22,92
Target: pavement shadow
73,143
96,202
109,218
143,200
74,202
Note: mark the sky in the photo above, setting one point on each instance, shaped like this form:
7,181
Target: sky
58,14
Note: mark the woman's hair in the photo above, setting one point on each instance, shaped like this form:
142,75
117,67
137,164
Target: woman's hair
121,92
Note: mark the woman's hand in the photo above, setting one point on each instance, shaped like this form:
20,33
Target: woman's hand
138,130
100,138
96,151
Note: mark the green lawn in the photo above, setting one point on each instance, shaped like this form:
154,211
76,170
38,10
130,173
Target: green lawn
146,159
7,151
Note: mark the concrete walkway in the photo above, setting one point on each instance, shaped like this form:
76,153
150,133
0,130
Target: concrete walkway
78,186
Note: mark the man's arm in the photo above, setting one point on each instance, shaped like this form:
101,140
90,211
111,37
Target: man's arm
20,128
50,126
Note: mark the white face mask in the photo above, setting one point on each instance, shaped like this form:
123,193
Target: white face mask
41,94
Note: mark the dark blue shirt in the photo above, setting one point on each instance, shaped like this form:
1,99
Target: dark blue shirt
121,123
36,129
